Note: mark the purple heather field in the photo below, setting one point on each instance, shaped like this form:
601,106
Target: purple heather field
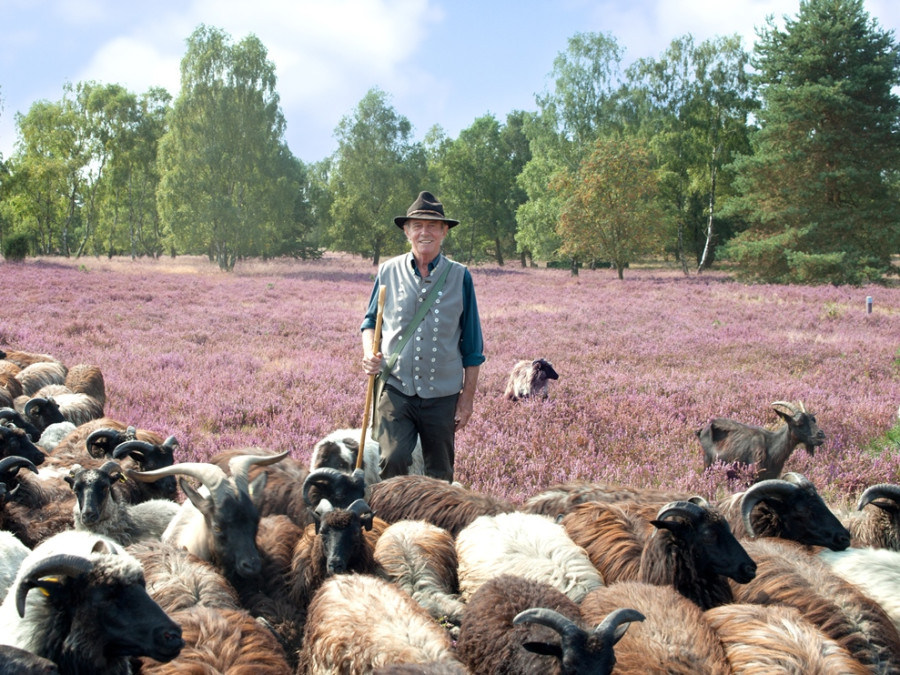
268,356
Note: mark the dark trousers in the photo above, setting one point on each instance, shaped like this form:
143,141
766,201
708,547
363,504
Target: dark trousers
402,419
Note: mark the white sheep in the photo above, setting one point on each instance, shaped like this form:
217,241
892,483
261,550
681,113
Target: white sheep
874,570
12,553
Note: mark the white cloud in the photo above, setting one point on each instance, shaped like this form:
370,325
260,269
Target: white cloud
133,63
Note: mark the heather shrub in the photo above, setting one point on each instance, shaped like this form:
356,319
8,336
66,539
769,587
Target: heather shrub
269,356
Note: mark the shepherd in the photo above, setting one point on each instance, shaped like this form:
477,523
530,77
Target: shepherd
431,334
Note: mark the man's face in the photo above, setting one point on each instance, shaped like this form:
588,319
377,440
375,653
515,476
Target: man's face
426,236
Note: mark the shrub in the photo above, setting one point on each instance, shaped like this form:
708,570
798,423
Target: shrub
15,247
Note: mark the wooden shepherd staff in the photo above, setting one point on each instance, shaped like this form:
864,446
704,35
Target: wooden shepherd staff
376,345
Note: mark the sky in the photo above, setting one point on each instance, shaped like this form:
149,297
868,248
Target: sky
444,62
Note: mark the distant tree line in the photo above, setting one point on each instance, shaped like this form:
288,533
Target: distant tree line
782,163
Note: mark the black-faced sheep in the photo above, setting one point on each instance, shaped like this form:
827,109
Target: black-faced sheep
90,613
516,626
33,509
420,558
530,380
673,638
359,622
15,442
879,525
732,442
449,506
526,545
97,509
788,575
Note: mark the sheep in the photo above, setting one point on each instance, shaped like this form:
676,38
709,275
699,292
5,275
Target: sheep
339,450
527,545
559,499
359,622
15,661
92,614
513,625
53,435
35,376
787,575
877,527
876,571
449,506
97,509
673,638
730,442
32,509
222,641
83,378
530,380
10,388
789,507
15,442
420,558
762,639
12,553
64,406
24,359
219,522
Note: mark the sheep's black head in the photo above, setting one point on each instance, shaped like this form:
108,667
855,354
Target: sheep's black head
14,441
543,370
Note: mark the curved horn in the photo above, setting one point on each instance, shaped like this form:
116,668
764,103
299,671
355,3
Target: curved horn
325,478
7,464
681,508
113,437
32,403
775,487
699,500
209,474
550,618
786,406
129,447
797,479
240,466
111,467
171,443
616,618
63,563
879,491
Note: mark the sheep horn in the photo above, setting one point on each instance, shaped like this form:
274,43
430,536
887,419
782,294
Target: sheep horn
7,464
111,435
212,477
880,491
171,443
33,403
334,483
111,467
63,563
134,449
610,625
681,508
797,479
550,618
240,466
775,487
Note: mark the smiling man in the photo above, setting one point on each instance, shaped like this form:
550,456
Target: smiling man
431,335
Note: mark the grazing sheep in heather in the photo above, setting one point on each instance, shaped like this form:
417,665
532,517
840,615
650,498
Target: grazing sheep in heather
789,507
876,571
83,378
449,506
530,380
526,545
23,359
777,639
96,508
219,522
92,613
513,625
788,575
359,622
731,442
673,638
420,558
878,526
222,641
340,448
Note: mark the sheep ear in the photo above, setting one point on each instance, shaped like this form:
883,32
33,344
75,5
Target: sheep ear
256,487
198,500
543,648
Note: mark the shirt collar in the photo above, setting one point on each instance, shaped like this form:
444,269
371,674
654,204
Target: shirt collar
434,263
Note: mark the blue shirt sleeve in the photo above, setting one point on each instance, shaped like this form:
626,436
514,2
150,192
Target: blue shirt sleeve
372,311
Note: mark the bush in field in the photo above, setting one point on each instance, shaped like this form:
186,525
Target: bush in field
15,247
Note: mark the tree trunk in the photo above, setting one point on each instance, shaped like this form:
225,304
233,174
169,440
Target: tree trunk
710,232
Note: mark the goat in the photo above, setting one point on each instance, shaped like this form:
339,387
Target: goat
219,522
731,442
92,614
789,507
420,558
788,575
222,641
340,448
359,622
775,638
513,625
97,509
449,506
877,527
526,545
876,571
673,638
529,380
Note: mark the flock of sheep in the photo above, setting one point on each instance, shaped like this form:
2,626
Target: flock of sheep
116,559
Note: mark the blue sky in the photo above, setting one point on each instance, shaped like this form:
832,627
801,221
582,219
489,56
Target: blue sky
443,62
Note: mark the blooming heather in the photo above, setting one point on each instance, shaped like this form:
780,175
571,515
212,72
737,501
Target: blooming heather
269,356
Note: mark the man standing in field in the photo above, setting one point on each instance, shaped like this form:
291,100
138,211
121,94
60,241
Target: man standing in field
432,336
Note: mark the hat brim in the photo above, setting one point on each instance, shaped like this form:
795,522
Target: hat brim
400,221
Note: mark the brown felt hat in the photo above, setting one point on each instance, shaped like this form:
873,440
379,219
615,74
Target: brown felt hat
426,207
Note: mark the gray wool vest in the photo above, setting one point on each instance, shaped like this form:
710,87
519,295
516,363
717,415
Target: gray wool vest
430,364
